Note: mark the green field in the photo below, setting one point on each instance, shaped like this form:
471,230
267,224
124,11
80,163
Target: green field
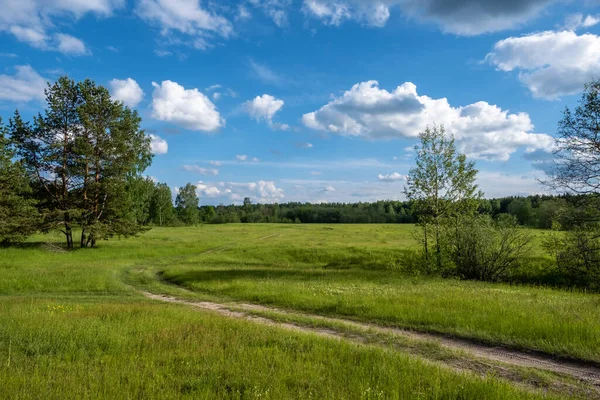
75,325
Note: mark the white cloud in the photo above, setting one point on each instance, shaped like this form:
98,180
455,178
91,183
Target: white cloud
243,13
216,96
188,108
391,177
215,163
126,90
260,191
186,17
316,173
329,189
34,37
482,130
24,85
576,21
158,145
275,9
242,157
263,107
162,53
213,87
304,145
265,74
550,64
30,20
200,170
70,45
462,17
255,159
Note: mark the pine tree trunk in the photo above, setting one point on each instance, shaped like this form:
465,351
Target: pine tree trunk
68,231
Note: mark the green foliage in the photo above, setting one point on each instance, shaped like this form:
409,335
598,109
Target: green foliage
485,249
80,153
161,205
442,188
18,216
186,204
140,192
521,208
576,166
577,254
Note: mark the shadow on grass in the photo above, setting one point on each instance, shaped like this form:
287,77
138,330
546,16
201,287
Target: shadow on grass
189,277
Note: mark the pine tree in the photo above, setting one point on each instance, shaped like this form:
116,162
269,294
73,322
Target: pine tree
18,216
80,153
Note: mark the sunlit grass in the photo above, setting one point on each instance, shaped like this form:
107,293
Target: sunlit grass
72,325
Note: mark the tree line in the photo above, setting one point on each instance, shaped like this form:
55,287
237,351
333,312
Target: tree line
78,168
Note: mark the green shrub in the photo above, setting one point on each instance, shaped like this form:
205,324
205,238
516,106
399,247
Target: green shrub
485,249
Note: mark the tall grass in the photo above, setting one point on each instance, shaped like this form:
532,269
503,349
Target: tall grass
71,326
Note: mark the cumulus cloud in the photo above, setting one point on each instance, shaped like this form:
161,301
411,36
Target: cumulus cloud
188,108
32,21
200,170
158,145
25,85
550,64
391,177
482,130
260,191
329,189
215,163
462,17
241,157
264,108
126,90
186,17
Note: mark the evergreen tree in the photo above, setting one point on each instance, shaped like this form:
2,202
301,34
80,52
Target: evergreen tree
46,148
112,151
18,216
80,154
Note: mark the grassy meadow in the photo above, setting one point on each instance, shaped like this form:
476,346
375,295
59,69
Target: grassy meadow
74,324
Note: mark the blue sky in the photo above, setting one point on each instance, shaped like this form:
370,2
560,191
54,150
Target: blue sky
315,100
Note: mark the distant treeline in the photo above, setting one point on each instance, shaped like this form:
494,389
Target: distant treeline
535,211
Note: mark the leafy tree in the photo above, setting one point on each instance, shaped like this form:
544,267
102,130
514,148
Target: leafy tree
18,216
441,187
161,205
139,196
187,204
577,155
522,209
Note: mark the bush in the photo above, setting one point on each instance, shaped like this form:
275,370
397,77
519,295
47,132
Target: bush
577,254
485,249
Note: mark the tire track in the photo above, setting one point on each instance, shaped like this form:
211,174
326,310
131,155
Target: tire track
579,370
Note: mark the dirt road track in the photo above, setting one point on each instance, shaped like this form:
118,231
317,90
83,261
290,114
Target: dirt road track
578,370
